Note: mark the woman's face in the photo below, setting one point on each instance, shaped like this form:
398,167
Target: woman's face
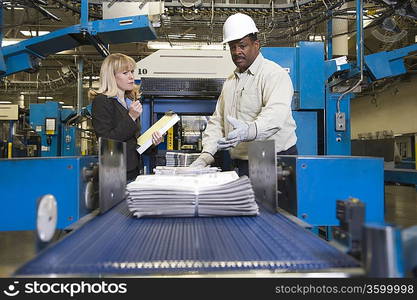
125,80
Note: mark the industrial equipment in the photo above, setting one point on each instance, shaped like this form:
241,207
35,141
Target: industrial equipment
187,82
384,250
268,244
71,180
271,243
74,181
57,127
309,186
26,55
17,138
351,214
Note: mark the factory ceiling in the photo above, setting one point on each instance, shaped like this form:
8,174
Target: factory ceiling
390,24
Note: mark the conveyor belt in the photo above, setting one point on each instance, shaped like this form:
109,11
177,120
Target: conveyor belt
116,243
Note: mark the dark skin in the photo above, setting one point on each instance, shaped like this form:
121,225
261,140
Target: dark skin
244,52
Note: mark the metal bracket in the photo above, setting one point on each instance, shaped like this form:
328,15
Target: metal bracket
263,173
340,121
112,173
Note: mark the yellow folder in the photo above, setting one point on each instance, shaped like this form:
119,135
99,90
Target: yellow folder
163,124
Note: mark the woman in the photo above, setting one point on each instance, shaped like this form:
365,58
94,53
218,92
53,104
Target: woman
116,108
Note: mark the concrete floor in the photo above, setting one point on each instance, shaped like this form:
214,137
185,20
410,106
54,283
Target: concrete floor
401,205
18,247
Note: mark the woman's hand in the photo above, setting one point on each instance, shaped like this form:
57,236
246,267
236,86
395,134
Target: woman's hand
135,110
157,138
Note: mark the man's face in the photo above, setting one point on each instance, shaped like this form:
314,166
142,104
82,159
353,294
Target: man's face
244,52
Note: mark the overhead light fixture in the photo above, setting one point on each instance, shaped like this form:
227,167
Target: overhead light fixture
45,97
8,5
31,33
182,36
8,42
15,8
187,46
5,102
29,93
316,38
92,77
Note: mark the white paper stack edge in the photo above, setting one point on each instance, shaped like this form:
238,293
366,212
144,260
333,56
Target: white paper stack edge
205,195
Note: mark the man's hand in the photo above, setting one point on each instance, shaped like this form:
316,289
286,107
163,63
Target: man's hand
225,144
135,110
242,132
204,160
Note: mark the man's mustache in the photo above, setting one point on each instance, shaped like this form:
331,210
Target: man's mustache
238,57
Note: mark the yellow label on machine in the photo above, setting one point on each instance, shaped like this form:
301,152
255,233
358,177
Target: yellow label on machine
170,139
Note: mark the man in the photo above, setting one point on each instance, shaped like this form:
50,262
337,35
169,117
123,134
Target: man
255,102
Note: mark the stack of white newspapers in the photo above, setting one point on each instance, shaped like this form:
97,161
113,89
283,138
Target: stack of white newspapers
162,170
204,195
179,159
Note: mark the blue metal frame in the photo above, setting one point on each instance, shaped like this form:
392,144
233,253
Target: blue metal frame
337,142
403,176
306,68
387,64
321,180
178,105
66,140
24,55
307,132
50,143
27,179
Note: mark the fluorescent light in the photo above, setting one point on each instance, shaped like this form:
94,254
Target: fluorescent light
29,93
45,97
92,77
7,5
187,46
316,38
182,36
34,32
8,42
5,102
68,106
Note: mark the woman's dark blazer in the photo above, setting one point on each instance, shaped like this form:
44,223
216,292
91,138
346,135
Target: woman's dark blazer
111,120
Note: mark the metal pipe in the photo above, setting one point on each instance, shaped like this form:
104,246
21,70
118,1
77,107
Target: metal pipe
359,49
80,66
84,13
329,42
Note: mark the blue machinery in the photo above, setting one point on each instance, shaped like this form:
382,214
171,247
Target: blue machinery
27,54
26,180
57,138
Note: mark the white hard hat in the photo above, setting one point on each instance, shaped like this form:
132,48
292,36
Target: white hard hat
237,26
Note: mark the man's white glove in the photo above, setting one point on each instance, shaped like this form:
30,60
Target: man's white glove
203,160
242,132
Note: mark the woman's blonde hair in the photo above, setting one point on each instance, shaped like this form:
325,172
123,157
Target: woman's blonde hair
111,65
